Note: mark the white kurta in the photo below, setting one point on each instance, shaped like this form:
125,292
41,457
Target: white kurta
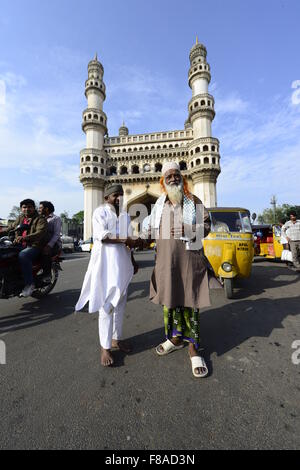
110,269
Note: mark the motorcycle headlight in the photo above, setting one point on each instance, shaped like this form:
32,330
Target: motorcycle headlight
227,267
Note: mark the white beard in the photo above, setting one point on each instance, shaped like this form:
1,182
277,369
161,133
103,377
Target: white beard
175,193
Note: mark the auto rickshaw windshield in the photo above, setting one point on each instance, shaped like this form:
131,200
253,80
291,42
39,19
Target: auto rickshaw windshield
230,222
277,231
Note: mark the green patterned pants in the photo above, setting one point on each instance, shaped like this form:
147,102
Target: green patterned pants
183,322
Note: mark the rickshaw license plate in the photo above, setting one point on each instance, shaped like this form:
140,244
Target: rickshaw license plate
243,247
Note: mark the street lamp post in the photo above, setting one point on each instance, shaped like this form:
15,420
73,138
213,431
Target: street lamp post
273,203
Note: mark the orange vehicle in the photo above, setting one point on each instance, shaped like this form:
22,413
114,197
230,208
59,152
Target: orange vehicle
267,241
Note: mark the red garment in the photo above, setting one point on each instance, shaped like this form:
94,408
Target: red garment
25,222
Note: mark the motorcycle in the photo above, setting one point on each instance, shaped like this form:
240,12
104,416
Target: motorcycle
11,278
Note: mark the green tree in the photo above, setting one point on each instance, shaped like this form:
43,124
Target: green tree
79,217
289,208
64,215
282,213
15,212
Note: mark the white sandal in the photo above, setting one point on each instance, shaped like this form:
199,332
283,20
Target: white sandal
168,347
197,363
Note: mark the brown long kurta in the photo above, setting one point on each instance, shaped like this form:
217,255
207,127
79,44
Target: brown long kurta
180,277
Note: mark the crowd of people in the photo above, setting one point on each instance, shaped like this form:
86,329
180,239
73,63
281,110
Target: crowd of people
182,275
38,233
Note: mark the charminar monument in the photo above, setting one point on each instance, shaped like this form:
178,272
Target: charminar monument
136,161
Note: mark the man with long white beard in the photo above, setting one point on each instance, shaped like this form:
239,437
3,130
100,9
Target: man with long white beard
180,280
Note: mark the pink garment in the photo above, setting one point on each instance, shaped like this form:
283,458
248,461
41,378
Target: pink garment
25,222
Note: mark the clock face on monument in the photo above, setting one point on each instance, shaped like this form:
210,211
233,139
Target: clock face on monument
147,168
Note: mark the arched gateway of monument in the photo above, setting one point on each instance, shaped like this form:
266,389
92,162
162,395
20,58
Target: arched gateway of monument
136,161
139,208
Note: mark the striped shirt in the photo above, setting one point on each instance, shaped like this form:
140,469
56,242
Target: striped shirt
293,230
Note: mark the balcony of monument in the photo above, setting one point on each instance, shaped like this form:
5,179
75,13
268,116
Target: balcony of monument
141,176
134,178
203,106
95,151
93,168
195,75
160,137
200,150
89,157
150,154
202,112
204,166
204,159
205,174
94,118
201,66
93,163
97,85
92,179
202,99
94,113
205,140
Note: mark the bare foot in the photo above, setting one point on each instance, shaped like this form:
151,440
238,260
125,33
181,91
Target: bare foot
106,358
121,345
193,352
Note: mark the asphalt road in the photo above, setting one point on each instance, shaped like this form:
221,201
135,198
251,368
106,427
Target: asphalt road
55,394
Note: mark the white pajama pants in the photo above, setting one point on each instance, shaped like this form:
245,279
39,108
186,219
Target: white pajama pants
111,324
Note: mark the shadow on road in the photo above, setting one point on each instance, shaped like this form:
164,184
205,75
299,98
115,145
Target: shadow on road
265,278
148,340
53,307
225,328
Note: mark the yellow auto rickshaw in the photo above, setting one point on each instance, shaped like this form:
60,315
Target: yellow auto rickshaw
267,241
229,246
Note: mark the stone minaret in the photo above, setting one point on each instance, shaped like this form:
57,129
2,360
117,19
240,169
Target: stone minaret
204,157
93,166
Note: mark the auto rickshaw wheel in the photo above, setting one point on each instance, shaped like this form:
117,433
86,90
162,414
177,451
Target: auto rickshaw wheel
228,287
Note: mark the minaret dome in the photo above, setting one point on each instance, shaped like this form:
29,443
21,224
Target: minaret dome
123,131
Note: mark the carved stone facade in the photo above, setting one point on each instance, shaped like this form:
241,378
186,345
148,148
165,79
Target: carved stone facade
136,161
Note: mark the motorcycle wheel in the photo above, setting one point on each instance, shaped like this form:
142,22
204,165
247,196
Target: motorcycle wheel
41,292
228,288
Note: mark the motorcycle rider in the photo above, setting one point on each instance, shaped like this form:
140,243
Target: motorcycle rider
53,247
32,239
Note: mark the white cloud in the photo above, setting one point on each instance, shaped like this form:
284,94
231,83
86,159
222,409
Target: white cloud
231,104
252,181
2,93
13,81
142,96
261,156
296,93
35,128
67,199
40,141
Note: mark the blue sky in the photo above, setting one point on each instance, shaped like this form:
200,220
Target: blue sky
253,50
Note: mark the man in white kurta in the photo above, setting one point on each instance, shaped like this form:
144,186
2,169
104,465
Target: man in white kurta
109,272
